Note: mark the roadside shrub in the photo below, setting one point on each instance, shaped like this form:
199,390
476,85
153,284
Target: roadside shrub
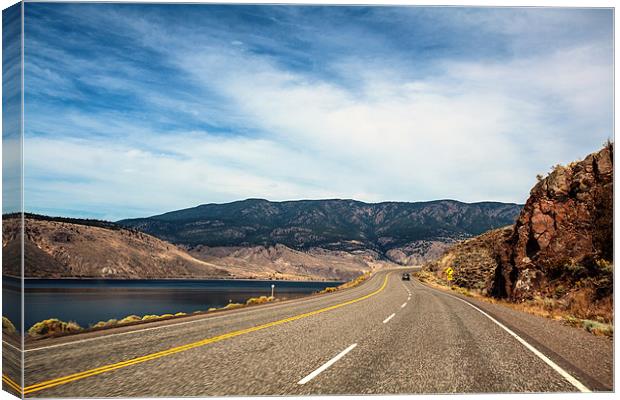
150,317
180,314
232,306
549,304
259,300
105,324
576,271
53,326
166,316
130,318
461,290
559,291
598,328
595,327
346,285
7,326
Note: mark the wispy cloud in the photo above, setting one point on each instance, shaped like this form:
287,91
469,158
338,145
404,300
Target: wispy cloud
134,110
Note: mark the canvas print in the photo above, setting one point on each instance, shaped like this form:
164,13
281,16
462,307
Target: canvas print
243,200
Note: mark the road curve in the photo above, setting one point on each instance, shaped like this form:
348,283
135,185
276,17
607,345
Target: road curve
385,336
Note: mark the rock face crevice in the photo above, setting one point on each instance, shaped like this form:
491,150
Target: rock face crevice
559,249
567,222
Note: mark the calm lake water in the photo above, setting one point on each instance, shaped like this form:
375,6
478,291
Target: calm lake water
90,301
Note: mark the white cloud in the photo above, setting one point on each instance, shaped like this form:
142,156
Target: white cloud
472,130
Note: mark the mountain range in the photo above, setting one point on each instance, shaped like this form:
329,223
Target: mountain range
307,239
403,232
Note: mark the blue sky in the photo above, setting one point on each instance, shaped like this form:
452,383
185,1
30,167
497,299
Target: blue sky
133,110
11,108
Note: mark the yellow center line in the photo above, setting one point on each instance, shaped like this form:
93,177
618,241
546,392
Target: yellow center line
11,383
111,367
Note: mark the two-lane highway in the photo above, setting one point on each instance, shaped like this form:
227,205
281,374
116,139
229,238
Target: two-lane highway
384,336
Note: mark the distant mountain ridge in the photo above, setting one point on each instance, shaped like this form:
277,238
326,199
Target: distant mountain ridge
398,230
59,247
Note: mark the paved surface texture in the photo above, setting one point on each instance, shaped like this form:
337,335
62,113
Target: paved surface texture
341,343
11,364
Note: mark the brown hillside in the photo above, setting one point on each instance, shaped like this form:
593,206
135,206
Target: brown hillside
55,249
473,261
66,248
282,262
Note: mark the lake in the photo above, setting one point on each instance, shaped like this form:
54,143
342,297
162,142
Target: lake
87,301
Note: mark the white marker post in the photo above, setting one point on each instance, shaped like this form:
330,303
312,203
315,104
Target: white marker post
272,288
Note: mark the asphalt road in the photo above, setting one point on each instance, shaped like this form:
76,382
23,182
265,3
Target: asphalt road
385,336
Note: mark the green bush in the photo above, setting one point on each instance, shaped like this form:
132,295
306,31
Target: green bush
598,328
559,291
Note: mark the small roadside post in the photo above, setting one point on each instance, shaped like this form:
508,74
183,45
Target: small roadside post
272,289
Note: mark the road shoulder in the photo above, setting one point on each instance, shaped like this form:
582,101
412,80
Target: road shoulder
572,348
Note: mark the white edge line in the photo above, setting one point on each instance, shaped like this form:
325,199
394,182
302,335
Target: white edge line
403,305
385,321
10,345
328,364
573,381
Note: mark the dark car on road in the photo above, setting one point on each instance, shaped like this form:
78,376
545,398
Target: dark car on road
406,276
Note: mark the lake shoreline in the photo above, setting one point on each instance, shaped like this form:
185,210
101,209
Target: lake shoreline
172,279
88,301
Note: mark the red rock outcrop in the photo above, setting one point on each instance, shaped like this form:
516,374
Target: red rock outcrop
565,226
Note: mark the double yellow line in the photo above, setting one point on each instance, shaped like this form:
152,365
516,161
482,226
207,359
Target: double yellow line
111,367
11,383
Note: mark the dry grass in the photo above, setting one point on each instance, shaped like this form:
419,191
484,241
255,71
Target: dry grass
347,285
130,318
105,324
595,327
53,326
259,300
232,306
7,326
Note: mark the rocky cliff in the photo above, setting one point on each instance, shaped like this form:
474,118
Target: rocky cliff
564,233
560,248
